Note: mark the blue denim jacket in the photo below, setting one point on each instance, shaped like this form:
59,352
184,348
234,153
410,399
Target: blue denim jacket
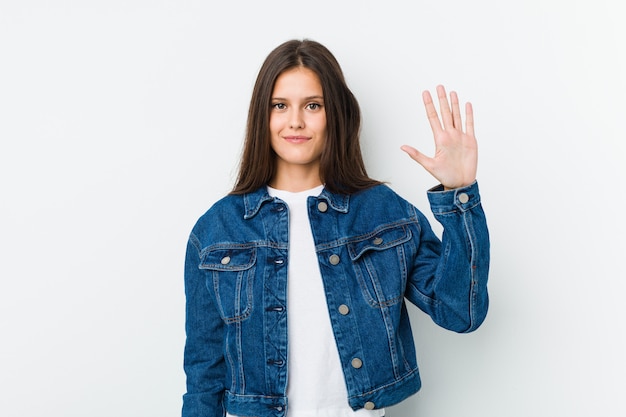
374,249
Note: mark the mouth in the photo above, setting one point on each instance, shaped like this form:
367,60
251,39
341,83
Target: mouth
296,139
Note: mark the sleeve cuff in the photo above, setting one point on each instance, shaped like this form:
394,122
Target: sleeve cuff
459,199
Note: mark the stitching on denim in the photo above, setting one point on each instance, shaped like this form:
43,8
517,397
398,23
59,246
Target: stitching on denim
471,239
238,315
229,358
409,374
348,240
242,374
354,255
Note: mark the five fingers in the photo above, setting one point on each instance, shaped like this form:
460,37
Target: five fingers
454,163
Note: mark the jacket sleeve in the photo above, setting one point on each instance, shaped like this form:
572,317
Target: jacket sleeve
448,279
204,359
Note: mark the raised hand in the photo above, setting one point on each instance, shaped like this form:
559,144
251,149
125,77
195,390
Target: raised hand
456,152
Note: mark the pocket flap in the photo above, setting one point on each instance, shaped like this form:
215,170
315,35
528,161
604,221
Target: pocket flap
380,240
228,259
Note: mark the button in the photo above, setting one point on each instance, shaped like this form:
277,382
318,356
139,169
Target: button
344,309
377,241
369,405
357,363
322,206
279,261
225,260
334,259
463,198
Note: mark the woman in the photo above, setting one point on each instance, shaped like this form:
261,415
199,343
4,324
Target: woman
296,281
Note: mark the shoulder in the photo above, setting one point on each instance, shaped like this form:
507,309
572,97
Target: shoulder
225,210
382,202
380,194
233,218
225,205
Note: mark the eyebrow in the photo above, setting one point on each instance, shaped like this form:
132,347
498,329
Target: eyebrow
305,98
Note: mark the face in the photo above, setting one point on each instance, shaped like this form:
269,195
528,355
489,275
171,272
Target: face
298,122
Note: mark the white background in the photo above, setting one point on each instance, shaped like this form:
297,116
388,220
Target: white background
121,123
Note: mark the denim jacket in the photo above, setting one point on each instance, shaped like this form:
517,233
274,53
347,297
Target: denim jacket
374,250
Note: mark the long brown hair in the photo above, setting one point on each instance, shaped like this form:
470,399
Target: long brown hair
341,165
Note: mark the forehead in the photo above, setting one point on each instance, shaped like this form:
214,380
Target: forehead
296,81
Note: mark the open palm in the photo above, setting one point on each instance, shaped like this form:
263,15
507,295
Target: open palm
456,152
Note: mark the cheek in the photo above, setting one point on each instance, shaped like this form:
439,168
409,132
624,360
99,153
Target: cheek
273,124
276,122
321,127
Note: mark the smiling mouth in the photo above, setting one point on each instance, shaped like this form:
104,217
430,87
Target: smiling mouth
296,139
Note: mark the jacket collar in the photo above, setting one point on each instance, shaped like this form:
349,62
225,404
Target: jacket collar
253,201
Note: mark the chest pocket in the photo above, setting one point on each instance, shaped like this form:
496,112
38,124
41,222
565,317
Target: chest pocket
379,261
231,278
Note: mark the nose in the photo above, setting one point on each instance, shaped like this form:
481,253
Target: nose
296,121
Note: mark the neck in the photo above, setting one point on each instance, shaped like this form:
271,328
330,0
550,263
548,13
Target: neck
296,179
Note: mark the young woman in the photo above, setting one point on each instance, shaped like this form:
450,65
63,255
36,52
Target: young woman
296,281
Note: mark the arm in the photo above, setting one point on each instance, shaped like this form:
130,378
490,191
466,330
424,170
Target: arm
204,361
450,278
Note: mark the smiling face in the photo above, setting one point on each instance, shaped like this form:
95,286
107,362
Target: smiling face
297,128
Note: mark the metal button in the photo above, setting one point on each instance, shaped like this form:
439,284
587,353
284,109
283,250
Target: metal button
463,198
322,206
225,260
357,363
369,405
377,241
344,309
334,259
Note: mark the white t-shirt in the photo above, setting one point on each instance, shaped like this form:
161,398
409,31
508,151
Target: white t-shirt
316,385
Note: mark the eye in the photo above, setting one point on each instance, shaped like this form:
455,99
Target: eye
279,106
314,106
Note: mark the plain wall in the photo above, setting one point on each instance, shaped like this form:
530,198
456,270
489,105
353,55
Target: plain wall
121,123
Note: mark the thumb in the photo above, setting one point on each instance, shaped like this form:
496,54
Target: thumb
416,155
